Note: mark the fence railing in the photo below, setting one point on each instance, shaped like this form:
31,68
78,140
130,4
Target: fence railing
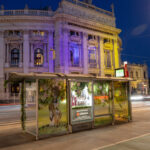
77,2
27,12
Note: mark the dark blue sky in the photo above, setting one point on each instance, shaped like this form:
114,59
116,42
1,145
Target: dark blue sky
133,18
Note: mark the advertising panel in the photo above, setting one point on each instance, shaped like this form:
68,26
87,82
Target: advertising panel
120,72
52,113
81,102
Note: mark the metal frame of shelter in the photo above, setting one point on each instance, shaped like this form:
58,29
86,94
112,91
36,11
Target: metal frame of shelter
69,78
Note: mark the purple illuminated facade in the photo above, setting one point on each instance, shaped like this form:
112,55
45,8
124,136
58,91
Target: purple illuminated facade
84,38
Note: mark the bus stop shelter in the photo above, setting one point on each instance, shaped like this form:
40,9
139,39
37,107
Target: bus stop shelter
55,104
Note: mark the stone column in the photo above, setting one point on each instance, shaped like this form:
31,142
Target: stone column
116,53
26,52
85,54
45,55
99,59
66,51
7,55
2,60
50,52
20,59
32,55
102,56
58,45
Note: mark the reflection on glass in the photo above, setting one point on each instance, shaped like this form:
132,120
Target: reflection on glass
102,102
81,101
121,100
30,88
52,106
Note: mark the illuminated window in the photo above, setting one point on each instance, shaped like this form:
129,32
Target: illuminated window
92,56
107,58
42,33
38,57
15,88
74,54
15,57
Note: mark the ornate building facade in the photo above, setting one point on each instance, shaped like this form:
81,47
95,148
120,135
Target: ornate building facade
85,40
140,83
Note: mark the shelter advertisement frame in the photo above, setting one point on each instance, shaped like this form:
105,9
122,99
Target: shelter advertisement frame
81,104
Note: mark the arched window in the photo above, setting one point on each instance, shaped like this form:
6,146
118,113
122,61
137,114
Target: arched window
137,74
74,57
92,56
131,74
15,57
38,57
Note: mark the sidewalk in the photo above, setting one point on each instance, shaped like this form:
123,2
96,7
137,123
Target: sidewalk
86,140
139,143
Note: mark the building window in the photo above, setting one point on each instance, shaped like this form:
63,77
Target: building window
15,57
137,74
131,74
144,75
91,37
107,75
107,59
74,50
10,33
73,33
38,57
92,56
15,88
106,40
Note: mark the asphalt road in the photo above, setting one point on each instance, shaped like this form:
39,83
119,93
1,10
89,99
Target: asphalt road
11,114
134,135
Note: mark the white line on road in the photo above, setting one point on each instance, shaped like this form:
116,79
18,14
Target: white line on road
106,146
141,109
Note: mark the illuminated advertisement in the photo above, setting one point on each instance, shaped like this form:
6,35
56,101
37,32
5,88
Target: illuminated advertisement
120,72
52,109
81,101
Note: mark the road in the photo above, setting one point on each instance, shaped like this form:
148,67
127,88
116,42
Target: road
128,136
11,114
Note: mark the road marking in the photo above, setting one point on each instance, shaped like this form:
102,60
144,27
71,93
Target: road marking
99,148
141,109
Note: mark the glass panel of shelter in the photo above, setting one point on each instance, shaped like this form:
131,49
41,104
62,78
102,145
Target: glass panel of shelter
121,101
103,97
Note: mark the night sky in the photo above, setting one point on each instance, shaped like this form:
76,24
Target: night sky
132,17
